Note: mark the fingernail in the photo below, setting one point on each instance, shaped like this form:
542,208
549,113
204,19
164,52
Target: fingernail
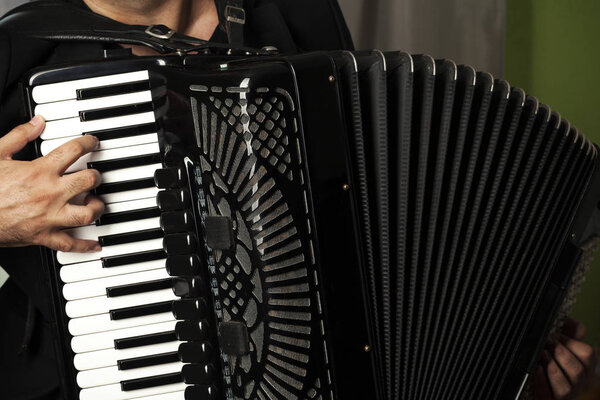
96,248
37,120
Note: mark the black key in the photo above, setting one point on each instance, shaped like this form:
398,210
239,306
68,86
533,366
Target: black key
109,112
183,265
117,261
196,374
125,216
146,361
139,311
130,237
142,287
117,133
170,178
196,353
151,381
124,186
177,221
172,200
179,243
126,162
192,331
202,393
189,309
193,287
152,338
112,90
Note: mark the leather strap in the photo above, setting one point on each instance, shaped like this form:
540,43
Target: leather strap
232,18
60,21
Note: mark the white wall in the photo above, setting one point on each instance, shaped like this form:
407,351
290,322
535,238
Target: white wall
466,31
7,5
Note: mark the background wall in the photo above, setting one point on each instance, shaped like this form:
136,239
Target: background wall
552,52
466,31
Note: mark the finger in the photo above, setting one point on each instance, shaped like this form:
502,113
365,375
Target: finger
572,368
583,351
559,384
63,156
541,387
574,329
79,182
75,215
16,139
61,241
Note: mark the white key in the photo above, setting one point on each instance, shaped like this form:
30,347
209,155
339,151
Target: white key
93,232
103,323
108,375
106,340
109,251
103,304
48,145
113,154
109,357
94,270
74,126
114,392
130,205
129,195
68,89
97,287
179,395
71,108
128,174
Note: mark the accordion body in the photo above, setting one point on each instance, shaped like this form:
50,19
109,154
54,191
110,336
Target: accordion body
326,226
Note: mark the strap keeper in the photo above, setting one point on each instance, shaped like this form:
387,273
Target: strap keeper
234,14
160,32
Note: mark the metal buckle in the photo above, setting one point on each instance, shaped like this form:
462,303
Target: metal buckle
235,14
160,32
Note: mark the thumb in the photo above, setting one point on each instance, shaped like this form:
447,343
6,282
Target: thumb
16,139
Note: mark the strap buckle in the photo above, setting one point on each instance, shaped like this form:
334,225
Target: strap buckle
160,32
235,14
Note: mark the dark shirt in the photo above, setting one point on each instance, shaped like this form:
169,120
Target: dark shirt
290,25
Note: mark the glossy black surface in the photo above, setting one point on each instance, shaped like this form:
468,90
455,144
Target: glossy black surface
145,340
128,162
139,311
133,288
151,381
172,200
117,261
116,133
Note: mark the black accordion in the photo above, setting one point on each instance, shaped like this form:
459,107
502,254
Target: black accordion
323,226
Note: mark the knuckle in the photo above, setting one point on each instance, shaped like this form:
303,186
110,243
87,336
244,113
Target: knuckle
88,216
74,147
65,245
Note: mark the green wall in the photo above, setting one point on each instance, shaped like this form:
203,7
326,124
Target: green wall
553,52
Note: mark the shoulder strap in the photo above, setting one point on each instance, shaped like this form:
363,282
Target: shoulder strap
62,21
232,18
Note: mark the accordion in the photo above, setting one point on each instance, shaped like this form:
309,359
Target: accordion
323,226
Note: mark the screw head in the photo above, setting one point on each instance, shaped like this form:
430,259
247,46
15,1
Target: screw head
367,348
331,78
345,187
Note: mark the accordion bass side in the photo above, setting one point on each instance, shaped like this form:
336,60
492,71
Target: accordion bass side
323,226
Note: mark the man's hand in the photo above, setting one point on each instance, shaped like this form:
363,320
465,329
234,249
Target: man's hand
36,196
566,365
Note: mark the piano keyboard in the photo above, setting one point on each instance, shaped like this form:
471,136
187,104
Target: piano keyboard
139,329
